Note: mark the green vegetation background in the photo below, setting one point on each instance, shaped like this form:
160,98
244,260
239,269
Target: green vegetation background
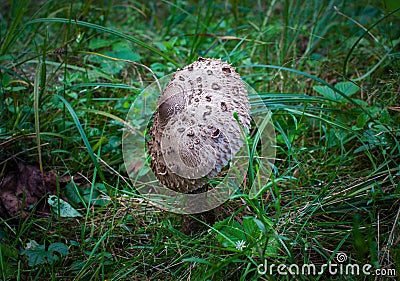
327,70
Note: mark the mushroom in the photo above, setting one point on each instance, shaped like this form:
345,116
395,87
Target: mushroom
198,126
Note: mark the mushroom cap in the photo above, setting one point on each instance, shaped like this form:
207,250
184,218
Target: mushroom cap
194,133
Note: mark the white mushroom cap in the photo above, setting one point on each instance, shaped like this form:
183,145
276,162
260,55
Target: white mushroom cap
194,133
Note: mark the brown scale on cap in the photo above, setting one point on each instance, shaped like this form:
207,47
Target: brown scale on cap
194,133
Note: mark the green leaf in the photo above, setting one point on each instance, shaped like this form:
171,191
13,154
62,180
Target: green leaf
347,88
8,251
37,254
98,189
98,43
65,209
76,194
391,6
362,120
6,80
385,117
272,247
59,247
72,193
230,232
124,50
15,89
251,229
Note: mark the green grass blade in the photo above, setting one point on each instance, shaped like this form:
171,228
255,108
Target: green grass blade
83,136
305,74
346,61
89,260
116,118
36,97
106,30
20,9
319,80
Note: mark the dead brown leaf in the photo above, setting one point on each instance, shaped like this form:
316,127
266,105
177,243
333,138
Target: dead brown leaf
22,187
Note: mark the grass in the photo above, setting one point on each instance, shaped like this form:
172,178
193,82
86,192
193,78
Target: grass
69,73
